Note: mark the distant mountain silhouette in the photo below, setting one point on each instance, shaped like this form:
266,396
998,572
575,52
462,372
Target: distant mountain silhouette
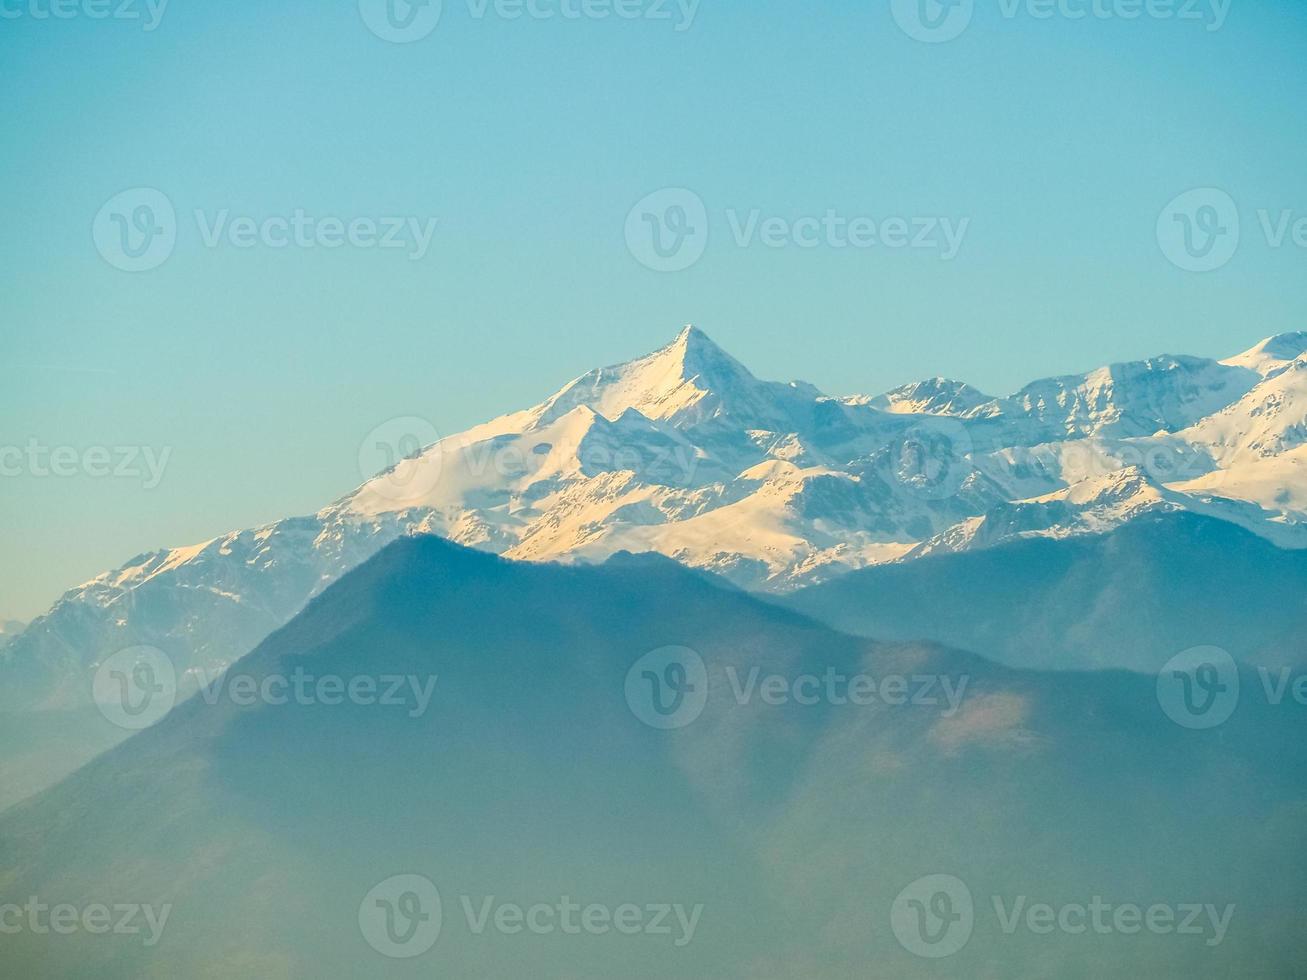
1131,598
530,777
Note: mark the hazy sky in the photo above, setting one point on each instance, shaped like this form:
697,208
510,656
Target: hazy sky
1049,145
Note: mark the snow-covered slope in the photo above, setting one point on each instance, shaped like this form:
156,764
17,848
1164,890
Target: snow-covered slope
1100,504
682,452
772,485
1267,422
1272,354
1134,399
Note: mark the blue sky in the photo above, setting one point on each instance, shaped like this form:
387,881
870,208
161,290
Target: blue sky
528,140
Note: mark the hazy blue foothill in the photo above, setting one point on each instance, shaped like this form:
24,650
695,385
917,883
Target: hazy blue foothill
1131,598
529,778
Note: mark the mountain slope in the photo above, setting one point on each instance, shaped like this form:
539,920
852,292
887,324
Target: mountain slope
1268,421
684,452
530,777
1272,354
1098,505
1131,598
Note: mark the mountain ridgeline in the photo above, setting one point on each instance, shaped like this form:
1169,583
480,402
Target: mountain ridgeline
1131,598
537,769
776,488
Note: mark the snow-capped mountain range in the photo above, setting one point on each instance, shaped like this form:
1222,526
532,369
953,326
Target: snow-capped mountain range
771,485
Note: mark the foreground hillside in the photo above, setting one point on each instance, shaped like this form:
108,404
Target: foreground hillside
529,771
